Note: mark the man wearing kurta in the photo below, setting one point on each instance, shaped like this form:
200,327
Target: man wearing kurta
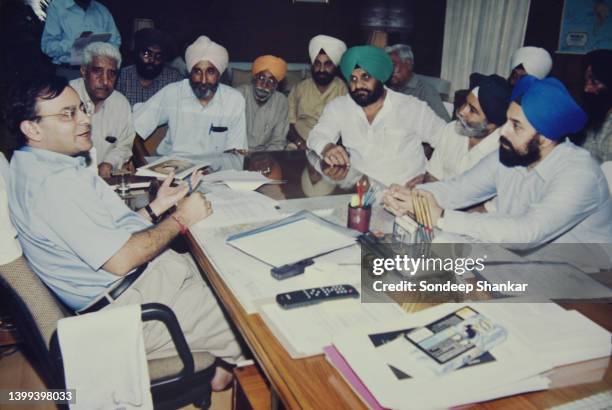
266,109
475,133
308,98
203,116
547,190
382,130
111,114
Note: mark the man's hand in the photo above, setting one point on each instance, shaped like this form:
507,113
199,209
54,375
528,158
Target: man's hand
129,167
335,155
105,169
398,200
336,173
168,196
419,179
294,136
193,209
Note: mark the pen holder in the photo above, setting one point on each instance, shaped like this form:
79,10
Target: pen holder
359,218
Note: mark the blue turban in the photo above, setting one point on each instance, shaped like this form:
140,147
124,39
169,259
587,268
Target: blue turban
372,59
549,107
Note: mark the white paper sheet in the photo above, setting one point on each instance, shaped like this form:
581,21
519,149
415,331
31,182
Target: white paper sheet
238,207
304,331
240,180
292,242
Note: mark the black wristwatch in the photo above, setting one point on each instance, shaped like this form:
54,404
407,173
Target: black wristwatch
153,215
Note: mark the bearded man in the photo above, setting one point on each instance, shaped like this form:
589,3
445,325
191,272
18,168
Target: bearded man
548,190
203,116
266,109
140,81
475,133
308,98
381,130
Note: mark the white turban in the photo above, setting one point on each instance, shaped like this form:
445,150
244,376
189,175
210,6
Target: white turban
333,47
205,49
535,60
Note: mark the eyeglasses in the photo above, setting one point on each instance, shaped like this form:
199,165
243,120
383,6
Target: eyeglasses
67,115
269,81
152,55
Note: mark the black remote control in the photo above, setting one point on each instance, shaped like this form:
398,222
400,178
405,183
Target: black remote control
315,295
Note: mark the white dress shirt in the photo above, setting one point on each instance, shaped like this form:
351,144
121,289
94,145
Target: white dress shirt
453,156
564,198
113,119
389,149
193,129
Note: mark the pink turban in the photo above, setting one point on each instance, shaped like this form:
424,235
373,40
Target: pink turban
206,49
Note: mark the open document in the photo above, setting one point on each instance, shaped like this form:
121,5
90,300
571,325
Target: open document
238,207
299,237
166,165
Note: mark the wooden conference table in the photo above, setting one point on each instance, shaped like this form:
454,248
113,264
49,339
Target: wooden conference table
312,382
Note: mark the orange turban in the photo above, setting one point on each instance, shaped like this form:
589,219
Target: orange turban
276,65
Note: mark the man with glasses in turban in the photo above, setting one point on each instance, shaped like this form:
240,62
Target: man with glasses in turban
381,130
267,123
140,81
203,115
548,189
308,98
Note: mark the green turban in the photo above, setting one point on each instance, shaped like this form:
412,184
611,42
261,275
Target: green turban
372,59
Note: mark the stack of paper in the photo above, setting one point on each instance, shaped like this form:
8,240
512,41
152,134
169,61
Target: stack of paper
306,330
239,207
377,362
244,180
293,239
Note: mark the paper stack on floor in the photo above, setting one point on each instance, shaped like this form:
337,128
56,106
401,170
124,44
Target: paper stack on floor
539,337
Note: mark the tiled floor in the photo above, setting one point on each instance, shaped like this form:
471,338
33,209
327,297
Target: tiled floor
16,373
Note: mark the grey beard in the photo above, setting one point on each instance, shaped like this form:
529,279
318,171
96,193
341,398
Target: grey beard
262,94
462,128
203,91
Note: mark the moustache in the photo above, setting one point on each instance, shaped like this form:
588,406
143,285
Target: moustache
505,142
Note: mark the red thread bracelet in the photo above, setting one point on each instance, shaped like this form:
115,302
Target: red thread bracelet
184,228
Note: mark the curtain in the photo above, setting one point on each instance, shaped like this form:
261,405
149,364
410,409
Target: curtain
480,36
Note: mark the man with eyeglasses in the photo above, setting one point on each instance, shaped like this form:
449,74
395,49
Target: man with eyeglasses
87,246
140,81
266,109
111,114
203,115
308,98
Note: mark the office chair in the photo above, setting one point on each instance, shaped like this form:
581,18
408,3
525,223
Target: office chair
175,381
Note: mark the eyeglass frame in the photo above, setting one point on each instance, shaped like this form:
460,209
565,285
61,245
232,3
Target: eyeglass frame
266,80
148,54
67,118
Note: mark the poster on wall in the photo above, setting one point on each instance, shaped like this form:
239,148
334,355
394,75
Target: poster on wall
585,25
